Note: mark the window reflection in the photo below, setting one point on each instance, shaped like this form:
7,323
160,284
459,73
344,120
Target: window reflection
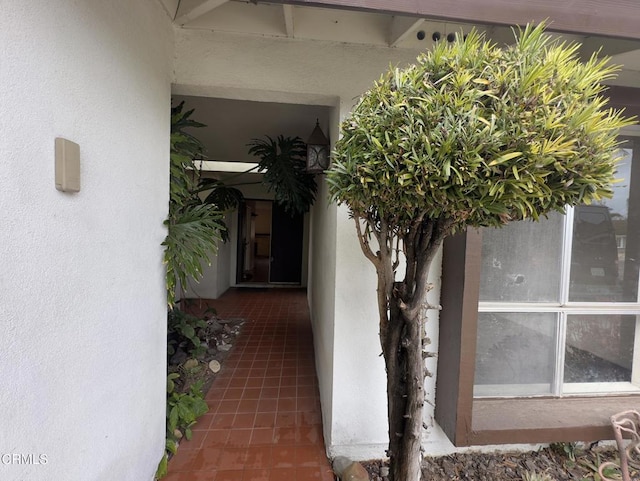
604,264
515,353
599,348
521,261
563,347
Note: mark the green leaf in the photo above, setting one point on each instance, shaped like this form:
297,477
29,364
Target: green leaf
173,418
162,470
505,158
194,228
172,446
473,134
189,331
283,162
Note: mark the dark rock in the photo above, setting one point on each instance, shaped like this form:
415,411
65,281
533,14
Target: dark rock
215,326
179,357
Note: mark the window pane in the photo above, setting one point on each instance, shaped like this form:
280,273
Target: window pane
515,353
599,348
604,260
521,261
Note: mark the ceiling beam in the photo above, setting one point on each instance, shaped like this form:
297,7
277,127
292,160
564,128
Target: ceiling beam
401,28
288,19
189,10
610,18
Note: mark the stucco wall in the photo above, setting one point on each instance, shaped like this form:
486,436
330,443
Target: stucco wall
83,303
217,274
321,290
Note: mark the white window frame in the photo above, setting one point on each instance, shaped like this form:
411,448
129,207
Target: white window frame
563,309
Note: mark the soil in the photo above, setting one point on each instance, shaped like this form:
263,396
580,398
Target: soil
218,336
558,462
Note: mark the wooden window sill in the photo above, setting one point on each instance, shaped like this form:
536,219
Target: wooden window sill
545,420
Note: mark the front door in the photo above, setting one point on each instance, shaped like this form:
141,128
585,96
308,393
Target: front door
269,244
286,246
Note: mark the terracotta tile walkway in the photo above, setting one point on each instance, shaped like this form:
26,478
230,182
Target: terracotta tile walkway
264,420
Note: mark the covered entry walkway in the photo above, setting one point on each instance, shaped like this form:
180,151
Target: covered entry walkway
264,420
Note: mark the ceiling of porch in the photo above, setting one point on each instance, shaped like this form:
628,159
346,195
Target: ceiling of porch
278,19
231,124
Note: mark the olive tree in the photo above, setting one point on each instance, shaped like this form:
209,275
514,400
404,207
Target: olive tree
470,135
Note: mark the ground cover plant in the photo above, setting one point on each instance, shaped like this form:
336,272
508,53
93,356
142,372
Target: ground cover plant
471,135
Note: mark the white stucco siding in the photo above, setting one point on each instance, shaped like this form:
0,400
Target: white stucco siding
359,395
83,302
321,294
216,274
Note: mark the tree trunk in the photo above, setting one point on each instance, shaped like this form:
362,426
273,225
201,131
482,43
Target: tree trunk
405,393
401,306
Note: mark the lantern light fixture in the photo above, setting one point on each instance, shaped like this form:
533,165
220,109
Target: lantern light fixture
317,151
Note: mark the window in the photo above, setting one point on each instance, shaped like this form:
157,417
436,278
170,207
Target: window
558,310
539,338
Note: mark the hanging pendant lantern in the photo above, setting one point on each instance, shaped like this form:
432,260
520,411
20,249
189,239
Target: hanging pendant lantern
317,151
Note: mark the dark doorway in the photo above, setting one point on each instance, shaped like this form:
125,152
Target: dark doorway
269,244
286,246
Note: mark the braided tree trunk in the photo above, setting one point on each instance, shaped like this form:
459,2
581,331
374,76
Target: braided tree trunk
402,306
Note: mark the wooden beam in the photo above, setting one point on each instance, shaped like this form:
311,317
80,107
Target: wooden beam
189,10
401,28
610,18
288,19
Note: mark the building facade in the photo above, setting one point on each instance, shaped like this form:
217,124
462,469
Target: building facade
82,282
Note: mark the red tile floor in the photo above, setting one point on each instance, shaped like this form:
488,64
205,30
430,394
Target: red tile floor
264,420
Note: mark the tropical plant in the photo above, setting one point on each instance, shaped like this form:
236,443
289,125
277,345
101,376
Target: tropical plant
470,135
183,333
183,409
283,163
194,227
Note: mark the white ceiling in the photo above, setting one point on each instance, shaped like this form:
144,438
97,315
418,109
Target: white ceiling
232,124
311,23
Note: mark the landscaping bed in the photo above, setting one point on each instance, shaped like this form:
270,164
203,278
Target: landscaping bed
558,462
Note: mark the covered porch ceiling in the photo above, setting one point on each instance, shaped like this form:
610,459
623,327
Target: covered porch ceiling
610,26
353,22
